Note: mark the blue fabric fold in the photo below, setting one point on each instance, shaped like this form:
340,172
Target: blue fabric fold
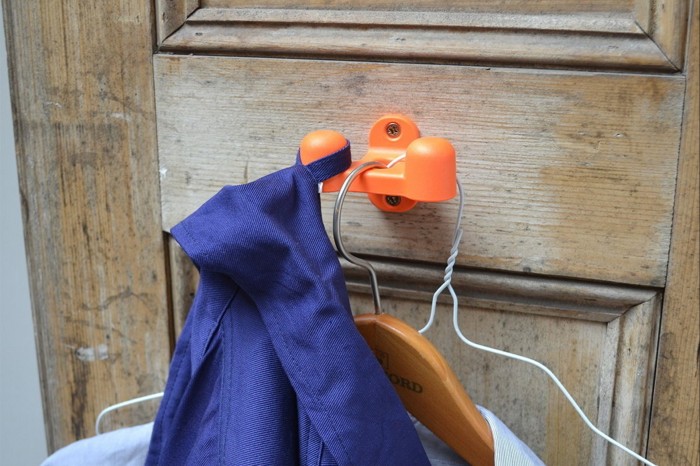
270,368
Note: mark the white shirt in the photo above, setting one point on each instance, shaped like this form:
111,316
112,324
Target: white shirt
129,446
509,450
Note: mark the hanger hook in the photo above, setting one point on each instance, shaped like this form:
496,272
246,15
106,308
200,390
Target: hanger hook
337,210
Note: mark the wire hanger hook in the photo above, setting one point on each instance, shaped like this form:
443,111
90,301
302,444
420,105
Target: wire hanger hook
337,211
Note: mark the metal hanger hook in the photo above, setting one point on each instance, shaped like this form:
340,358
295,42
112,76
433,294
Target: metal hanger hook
337,211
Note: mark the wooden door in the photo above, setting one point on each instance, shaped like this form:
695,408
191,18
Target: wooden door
576,128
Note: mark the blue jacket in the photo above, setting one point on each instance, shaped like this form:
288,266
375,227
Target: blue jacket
270,369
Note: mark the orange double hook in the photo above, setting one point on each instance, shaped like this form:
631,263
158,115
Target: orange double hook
425,172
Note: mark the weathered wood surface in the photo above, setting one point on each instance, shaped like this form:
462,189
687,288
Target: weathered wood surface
82,94
615,23
564,173
643,35
171,14
586,42
184,279
667,26
504,292
675,435
522,6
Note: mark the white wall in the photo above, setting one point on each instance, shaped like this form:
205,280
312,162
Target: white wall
22,435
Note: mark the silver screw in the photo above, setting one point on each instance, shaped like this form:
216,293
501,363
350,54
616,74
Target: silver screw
393,201
393,130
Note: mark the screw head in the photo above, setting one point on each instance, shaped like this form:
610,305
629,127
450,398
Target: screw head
393,201
393,130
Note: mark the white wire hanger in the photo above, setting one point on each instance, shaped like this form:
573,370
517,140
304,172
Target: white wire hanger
447,285
123,404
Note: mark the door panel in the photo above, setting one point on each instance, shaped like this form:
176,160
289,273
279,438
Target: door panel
630,35
598,339
548,6
567,174
576,169
607,366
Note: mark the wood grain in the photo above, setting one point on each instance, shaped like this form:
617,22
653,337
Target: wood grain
668,28
623,35
572,299
609,40
184,279
614,23
633,380
82,95
171,14
675,437
549,6
565,174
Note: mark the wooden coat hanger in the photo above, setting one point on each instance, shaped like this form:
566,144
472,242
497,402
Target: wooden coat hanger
428,387
421,376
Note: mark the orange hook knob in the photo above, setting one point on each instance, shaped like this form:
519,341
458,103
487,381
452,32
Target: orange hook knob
319,144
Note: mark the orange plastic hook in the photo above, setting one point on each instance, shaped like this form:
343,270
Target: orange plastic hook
426,174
